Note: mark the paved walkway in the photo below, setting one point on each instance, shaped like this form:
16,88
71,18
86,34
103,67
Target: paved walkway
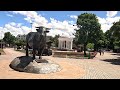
101,67
69,71
106,66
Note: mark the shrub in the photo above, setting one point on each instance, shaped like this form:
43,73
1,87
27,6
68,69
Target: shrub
90,46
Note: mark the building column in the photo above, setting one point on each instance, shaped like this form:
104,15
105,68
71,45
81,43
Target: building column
63,45
67,44
71,44
60,44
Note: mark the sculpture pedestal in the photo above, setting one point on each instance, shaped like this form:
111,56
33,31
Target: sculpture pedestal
41,60
27,64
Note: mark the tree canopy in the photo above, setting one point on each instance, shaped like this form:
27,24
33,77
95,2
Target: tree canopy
89,30
113,35
115,30
9,38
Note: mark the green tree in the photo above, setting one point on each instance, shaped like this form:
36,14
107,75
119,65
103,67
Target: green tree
55,40
115,34
115,29
9,38
117,43
88,31
95,36
109,39
100,43
19,42
90,45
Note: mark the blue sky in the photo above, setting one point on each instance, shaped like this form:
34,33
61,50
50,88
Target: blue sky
58,15
61,22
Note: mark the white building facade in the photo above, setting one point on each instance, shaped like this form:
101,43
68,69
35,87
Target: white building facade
21,37
65,43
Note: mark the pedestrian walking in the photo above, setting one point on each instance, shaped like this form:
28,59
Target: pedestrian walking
100,51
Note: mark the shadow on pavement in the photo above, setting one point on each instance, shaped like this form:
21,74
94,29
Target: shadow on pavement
116,54
113,61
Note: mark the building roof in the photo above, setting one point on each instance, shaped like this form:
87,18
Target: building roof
65,38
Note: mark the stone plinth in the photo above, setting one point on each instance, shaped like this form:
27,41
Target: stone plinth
27,64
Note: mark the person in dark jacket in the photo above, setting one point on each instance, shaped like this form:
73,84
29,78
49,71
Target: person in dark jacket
100,51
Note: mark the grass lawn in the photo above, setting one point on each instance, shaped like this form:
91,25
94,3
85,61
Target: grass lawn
2,52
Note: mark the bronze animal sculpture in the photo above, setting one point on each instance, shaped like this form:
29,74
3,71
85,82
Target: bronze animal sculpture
36,41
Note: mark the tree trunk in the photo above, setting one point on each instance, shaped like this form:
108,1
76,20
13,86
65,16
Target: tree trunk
85,49
112,46
95,47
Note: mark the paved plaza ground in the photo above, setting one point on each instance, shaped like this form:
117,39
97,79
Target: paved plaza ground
106,66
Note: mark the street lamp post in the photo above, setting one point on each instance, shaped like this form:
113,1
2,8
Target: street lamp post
31,26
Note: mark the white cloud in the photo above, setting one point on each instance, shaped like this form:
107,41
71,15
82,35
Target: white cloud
74,16
25,29
72,22
32,16
14,28
13,23
9,15
111,13
105,27
1,32
107,22
54,32
28,19
102,20
57,26
20,12
114,19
